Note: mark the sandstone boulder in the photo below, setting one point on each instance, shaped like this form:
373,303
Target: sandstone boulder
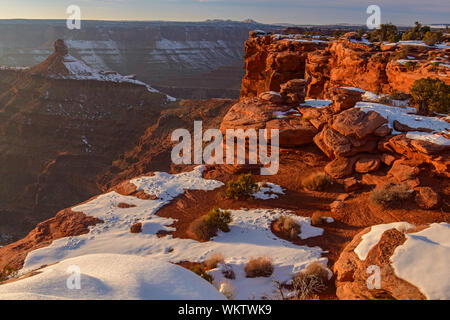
367,164
354,122
427,198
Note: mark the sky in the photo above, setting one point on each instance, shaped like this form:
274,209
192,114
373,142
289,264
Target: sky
400,12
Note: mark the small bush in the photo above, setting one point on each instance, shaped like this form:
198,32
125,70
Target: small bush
307,286
288,226
259,267
199,270
8,273
242,188
201,230
218,219
136,228
207,226
316,219
317,269
316,182
213,261
399,96
431,94
390,196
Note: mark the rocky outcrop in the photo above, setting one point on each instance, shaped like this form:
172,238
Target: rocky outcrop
274,59
352,273
66,223
258,113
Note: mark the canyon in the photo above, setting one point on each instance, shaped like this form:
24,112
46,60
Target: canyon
331,102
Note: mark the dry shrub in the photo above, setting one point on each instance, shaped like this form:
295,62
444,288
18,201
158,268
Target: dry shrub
317,181
288,227
317,269
213,261
259,267
136,228
201,230
307,287
207,226
200,271
390,196
316,219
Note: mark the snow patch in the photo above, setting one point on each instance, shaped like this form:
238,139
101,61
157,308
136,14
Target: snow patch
316,103
113,277
371,238
423,260
268,191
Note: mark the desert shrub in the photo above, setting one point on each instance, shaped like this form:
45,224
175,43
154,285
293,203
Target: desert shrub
317,181
403,53
431,38
199,270
201,230
384,100
416,33
218,219
136,228
399,96
242,188
288,226
317,269
8,273
259,267
207,226
307,286
386,32
390,196
431,94
213,261
316,219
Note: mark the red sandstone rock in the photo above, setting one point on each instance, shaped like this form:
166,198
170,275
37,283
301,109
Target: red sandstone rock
366,164
427,198
357,123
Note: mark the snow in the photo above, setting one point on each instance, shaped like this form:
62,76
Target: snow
268,191
354,89
423,260
316,103
78,70
371,239
113,277
433,138
404,61
250,233
281,114
408,117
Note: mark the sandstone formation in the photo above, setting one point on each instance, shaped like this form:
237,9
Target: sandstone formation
351,272
274,59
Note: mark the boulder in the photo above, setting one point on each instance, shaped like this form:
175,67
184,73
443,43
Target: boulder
352,184
367,164
357,123
341,167
427,198
344,98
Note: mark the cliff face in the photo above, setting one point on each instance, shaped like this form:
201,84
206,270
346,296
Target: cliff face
61,124
272,60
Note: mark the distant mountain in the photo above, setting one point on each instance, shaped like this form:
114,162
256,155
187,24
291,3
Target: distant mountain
186,59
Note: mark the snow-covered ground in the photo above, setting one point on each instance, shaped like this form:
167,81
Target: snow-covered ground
371,238
78,70
424,260
316,103
268,191
408,116
112,277
250,235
